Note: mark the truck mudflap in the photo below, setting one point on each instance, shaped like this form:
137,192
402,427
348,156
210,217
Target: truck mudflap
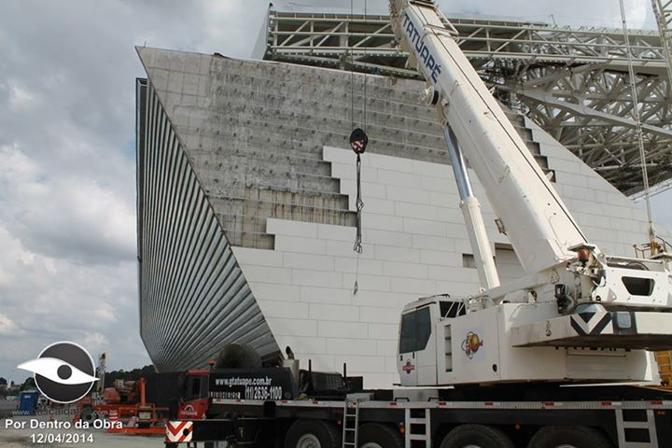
241,431
179,431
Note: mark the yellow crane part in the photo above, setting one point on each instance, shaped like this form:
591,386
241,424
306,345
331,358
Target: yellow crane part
664,360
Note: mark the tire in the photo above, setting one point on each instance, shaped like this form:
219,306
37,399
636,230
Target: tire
374,435
312,434
570,437
88,414
476,435
238,356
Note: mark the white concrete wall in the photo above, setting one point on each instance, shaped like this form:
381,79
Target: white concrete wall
414,238
607,217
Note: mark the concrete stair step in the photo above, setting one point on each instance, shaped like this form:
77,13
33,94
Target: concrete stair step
266,177
266,199
518,121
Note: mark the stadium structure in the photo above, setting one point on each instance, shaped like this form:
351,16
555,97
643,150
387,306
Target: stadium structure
246,183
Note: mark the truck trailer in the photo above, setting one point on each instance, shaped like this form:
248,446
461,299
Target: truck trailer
275,406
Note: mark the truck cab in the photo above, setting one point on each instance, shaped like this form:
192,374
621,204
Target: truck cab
419,341
193,404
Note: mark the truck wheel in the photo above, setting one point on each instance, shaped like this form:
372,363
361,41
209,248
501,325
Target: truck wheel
312,434
374,435
88,414
568,437
476,436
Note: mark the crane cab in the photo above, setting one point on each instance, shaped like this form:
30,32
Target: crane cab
441,343
419,343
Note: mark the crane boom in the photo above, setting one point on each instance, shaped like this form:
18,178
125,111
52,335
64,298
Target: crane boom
537,222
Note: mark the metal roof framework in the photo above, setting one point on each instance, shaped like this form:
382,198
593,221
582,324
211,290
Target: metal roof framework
571,81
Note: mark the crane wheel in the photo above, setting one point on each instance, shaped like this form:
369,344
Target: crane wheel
570,437
87,414
312,434
375,435
476,435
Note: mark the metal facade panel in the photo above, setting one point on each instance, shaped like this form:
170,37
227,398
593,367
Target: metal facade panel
194,298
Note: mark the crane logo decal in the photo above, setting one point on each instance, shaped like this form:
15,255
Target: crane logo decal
471,344
423,52
189,410
64,372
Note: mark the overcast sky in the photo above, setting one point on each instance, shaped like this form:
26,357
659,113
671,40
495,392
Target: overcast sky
67,192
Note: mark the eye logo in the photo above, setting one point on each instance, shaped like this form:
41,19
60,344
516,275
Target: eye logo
64,372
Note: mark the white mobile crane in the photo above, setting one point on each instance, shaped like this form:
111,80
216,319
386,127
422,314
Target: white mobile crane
578,315
498,368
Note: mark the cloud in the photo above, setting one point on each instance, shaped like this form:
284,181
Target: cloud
20,98
7,326
595,13
64,216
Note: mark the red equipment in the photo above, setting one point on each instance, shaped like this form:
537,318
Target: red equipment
125,403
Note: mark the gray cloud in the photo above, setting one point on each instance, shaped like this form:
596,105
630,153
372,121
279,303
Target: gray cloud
67,175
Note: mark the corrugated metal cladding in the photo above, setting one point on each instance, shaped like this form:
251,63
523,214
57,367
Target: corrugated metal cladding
194,298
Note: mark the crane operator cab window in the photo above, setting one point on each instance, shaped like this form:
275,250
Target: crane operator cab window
416,329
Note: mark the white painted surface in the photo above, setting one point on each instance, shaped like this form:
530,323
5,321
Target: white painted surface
413,238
